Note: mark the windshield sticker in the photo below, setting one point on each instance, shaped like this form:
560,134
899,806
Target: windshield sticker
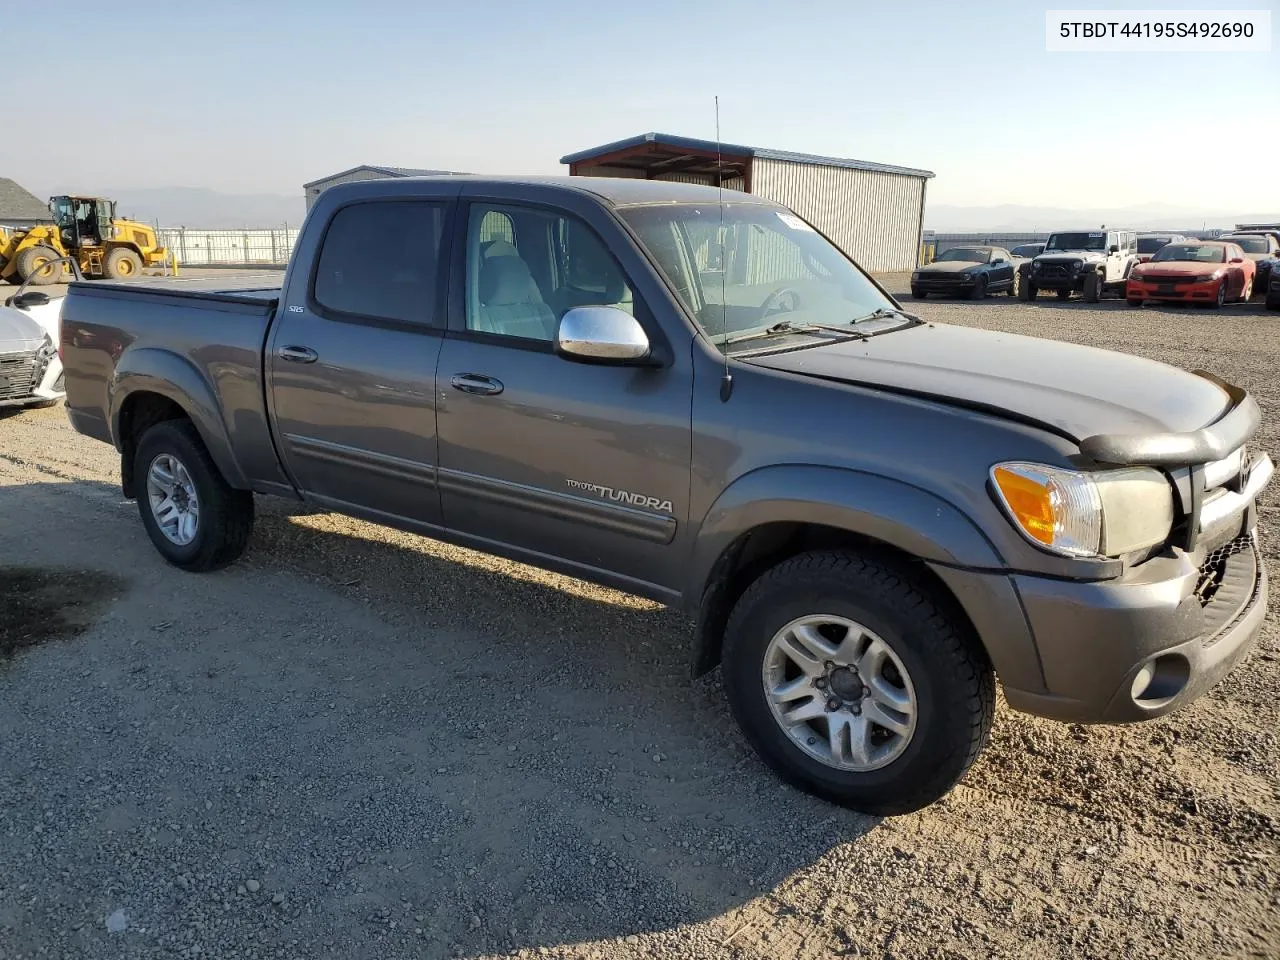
1095,236
794,222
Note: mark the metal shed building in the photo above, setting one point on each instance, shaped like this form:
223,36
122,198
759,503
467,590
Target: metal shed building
873,211
367,172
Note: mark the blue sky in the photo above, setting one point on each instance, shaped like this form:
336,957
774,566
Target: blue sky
260,97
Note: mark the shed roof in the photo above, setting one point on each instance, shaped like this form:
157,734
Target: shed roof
19,204
386,172
666,144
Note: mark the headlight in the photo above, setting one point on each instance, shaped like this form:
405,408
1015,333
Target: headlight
1207,277
915,274
1035,266
966,276
1077,264
1075,514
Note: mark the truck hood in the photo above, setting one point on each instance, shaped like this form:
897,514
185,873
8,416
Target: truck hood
1076,391
19,333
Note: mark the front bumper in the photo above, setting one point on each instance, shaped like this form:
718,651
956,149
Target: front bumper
1141,647
1189,291
1057,280
942,285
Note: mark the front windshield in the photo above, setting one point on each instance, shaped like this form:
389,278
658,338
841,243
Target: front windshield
1151,244
1077,241
1195,252
759,268
1249,244
966,254
63,214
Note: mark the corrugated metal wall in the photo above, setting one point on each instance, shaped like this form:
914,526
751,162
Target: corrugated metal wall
873,217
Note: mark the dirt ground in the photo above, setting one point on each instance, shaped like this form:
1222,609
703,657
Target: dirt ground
361,743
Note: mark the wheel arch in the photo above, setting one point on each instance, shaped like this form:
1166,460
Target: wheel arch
753,526
152,385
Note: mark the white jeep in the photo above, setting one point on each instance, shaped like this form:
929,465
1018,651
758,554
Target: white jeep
1091,262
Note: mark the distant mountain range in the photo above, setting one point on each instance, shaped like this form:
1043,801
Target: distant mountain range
198,207
1012,218
209,209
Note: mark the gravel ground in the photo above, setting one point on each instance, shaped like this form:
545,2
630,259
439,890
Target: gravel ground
361,743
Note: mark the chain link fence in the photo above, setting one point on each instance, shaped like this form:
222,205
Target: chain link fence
212,248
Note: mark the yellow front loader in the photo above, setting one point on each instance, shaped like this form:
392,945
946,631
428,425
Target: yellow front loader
85,228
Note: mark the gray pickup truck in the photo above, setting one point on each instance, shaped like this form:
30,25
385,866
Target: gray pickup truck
699,399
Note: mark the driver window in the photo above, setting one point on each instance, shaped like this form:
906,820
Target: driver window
527,267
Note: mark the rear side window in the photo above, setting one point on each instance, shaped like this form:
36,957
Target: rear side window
382,260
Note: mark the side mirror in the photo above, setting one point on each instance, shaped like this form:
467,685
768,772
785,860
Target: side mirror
32,298
999,260
601,335
1115,248
1237,259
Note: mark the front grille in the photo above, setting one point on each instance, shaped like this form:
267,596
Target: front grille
1213,570
17,375
1056,271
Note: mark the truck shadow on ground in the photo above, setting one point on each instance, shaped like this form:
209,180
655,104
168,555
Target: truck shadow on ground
461,755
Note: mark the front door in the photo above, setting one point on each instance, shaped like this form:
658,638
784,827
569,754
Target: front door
544,456
352,362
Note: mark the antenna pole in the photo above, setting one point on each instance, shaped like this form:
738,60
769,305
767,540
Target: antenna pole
726,382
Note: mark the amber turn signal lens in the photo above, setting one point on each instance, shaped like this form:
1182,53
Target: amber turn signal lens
1031,503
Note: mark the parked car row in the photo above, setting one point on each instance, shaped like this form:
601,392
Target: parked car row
1101,263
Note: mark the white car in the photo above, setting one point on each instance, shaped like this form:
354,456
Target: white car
30,369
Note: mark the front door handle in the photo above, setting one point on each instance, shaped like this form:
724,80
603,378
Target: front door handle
298,354
476,383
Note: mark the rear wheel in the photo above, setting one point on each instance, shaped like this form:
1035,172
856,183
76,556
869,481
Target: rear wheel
35,265
857,683
194,518
121,264
979,291
1247,293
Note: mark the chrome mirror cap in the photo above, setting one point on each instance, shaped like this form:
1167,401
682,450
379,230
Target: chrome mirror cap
601,335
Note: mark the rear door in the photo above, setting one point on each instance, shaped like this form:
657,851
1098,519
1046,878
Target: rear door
351,362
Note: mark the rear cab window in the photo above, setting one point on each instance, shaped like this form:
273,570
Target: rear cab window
381,259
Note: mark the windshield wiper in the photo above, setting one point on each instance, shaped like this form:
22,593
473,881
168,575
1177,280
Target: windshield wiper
883,313
783,326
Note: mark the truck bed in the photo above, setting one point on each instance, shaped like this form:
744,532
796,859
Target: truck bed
207,335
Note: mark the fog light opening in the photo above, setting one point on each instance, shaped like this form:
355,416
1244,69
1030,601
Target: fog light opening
1161,679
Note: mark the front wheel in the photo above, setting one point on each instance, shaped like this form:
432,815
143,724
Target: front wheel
1015,285
979,291
195,519
121,264
1093,287
918,294
1220,297
856,682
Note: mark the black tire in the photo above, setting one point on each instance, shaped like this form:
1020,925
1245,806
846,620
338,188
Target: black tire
1028,292
1093,287
1133,302
979,291
1273,304
918,294
1221,298
1015,285
1063,294
31,266
948,668
121,263
226,515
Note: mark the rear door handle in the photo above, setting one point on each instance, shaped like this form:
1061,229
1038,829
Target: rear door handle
476,383
298,354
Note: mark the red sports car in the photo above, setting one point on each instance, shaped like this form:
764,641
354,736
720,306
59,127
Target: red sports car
1208,272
